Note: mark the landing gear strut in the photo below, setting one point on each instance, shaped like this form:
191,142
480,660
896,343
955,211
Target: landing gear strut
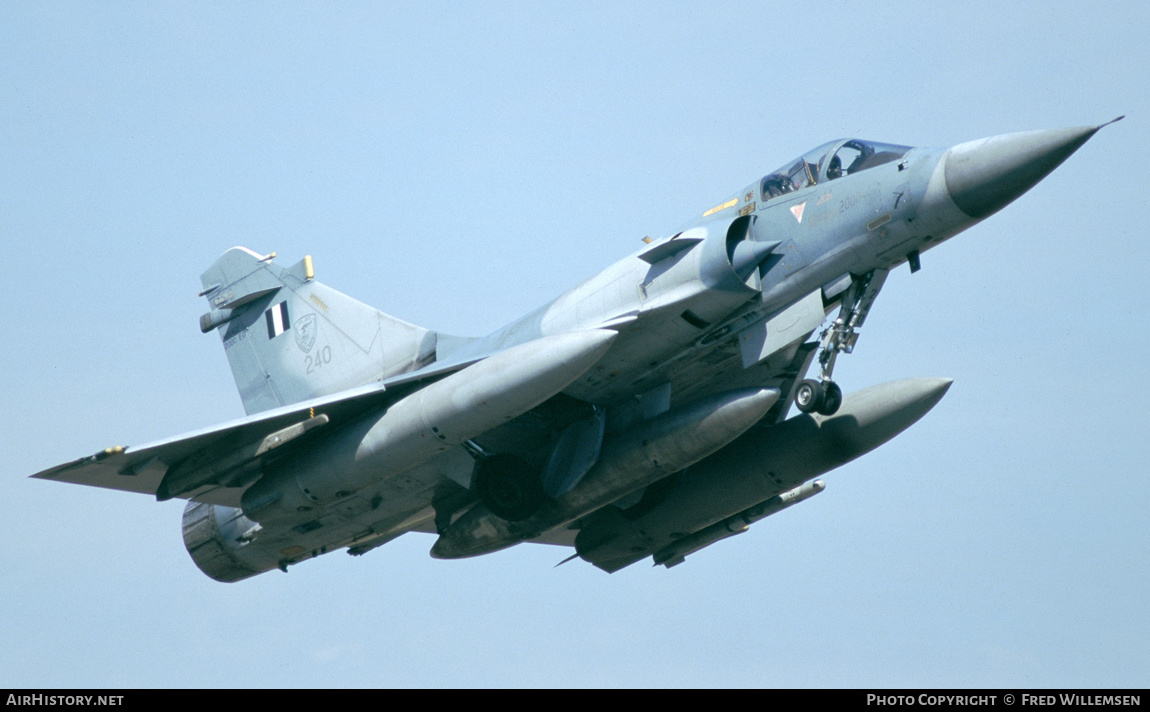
824,396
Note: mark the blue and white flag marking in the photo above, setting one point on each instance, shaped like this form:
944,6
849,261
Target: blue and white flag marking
277,318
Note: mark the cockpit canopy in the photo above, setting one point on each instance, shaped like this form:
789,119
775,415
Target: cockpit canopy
828,162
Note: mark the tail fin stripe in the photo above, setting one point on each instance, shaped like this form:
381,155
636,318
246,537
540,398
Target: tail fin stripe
277,318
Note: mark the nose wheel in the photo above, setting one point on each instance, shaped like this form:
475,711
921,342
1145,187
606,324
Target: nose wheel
822,397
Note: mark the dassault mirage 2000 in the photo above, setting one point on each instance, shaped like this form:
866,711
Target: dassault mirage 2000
641,413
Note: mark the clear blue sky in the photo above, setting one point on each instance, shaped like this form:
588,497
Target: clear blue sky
458,164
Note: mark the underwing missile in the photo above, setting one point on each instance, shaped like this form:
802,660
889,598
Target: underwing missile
438,417
758,466
632,460
674,554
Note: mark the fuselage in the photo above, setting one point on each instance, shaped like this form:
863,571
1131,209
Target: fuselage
843,209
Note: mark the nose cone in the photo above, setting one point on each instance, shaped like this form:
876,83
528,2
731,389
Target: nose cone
984,176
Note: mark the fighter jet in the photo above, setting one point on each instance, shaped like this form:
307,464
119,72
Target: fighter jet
642,413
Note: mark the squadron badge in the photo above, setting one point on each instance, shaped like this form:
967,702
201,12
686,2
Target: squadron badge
305,331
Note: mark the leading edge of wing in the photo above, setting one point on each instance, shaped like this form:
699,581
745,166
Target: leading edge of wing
143,468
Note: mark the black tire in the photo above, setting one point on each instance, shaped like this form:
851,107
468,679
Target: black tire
809,396
832,398
509,487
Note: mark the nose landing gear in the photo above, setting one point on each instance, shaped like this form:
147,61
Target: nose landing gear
824,396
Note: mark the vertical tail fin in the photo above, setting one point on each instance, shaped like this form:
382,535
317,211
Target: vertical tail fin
289,338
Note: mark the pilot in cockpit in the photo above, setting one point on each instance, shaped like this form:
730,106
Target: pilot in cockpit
835,168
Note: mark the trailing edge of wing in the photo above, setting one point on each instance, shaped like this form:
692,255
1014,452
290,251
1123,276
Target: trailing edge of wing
209,464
